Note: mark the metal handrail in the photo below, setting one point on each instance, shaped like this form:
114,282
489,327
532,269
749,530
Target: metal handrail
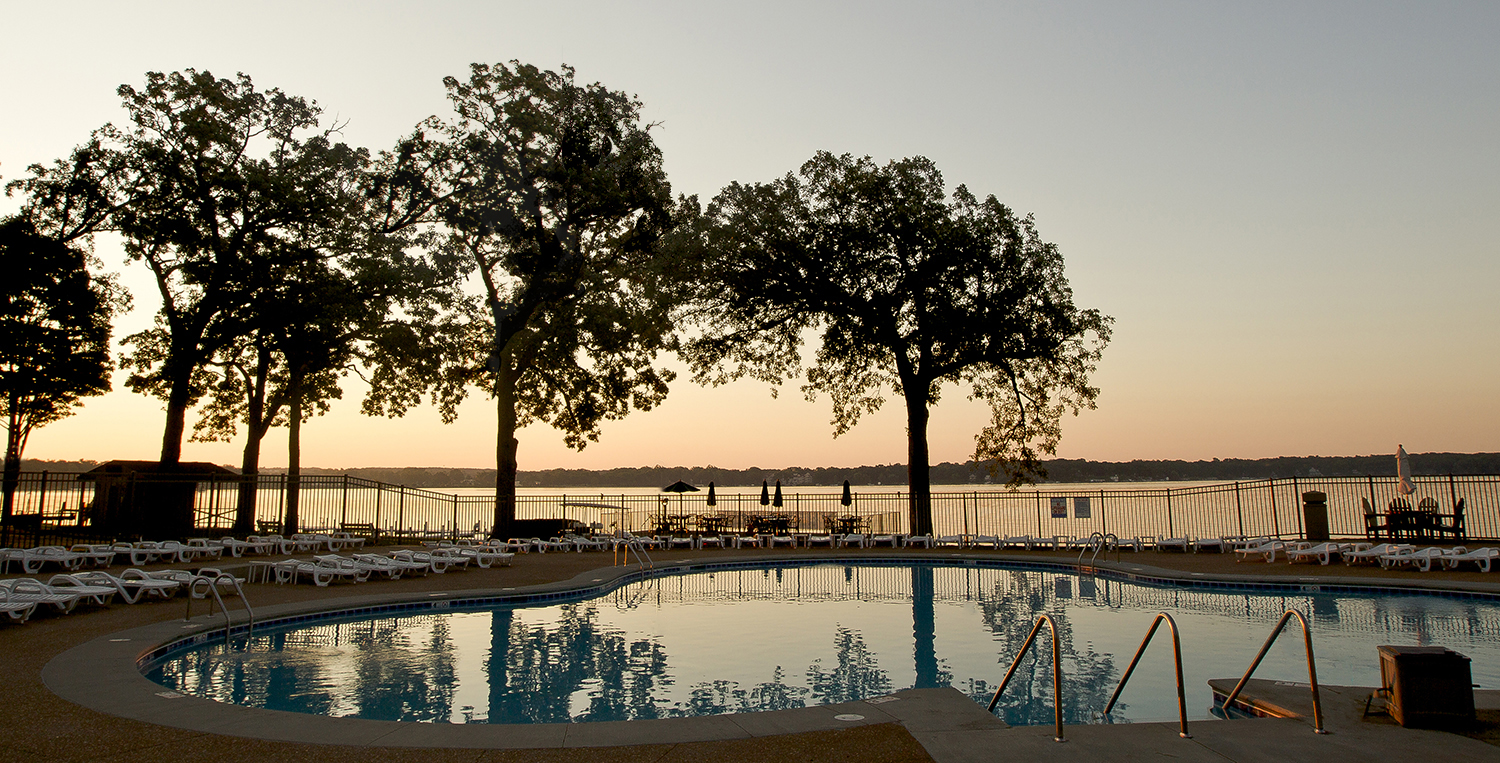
1312,670
1056,672
1177,660
212,581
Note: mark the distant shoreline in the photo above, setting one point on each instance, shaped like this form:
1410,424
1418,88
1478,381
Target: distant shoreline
947,474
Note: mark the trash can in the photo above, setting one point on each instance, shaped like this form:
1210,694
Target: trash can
1428,686
1315,516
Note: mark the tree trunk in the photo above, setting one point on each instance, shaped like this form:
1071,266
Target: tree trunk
505,447
177,405
918,471
293,458
12,469
255,431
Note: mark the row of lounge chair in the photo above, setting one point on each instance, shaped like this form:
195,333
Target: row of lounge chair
32,560
324,569
1387,555
21,597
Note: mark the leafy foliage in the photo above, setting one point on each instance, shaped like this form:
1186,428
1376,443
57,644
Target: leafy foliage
54,334
909,290
552,196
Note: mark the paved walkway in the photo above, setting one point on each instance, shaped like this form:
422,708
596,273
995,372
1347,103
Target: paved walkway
918,725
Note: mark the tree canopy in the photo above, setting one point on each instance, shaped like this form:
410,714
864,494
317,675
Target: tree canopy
54,335
551,195
212,175
909,289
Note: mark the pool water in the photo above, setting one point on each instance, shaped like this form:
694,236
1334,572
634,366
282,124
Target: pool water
744,640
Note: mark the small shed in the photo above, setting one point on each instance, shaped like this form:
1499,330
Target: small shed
143,499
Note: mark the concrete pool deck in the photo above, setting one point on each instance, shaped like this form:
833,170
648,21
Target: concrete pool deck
118,716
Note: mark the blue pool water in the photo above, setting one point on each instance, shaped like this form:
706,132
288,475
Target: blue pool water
742,640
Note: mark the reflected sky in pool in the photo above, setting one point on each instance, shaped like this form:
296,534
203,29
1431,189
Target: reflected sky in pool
767,639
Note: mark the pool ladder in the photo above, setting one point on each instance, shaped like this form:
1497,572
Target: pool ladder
1057,672
206,583
1312,671
1098,542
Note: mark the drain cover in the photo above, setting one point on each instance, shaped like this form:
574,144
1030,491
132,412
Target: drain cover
848,717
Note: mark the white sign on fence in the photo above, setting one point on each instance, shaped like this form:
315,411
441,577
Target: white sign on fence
1059,508
1081,508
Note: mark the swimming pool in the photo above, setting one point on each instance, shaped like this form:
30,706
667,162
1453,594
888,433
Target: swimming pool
743,639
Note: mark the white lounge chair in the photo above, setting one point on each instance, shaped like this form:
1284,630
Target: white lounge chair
888,539
1421,558
853,539
1480,556
94,593
321,573
17,611
913,541
383,563
948,541
95,554
1323,553
132,584
993,541
820,539
1181,544
1267,551
1372,553
38,593
32,559
1203,544
1018,541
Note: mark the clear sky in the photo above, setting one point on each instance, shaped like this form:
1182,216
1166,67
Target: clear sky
1289,208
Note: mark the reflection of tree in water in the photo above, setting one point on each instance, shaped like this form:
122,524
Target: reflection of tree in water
397,679
856,676
258,674
1088,677
545,665
717,697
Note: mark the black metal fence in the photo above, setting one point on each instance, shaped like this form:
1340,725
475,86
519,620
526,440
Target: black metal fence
50,505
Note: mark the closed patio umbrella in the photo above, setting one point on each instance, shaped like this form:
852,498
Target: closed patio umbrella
1403,472
712,501
777,500
765,493
847,498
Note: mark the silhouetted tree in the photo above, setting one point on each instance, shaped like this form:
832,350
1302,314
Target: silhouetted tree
54,336
212,174
551,194
911,290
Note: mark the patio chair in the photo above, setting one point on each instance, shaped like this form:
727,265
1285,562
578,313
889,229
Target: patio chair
740,541
913,541
1483,557
1373,526
993,541
321,573
705,541
948,541
186,577
781,540
1456,527
894,541
132,584
1017,541
1215,544
821,539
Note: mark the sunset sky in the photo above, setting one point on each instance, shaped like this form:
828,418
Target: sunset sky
1289,208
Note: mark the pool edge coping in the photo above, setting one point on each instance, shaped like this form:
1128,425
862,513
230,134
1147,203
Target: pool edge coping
105,674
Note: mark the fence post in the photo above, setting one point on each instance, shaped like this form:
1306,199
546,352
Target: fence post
379,491
400,507
1239,510
1038,495
1452,491
41,500
1171,530
1301,528
344,503
1103,520
1275,515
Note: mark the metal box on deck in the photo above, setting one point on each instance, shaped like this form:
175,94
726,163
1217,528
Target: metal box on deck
1428,686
